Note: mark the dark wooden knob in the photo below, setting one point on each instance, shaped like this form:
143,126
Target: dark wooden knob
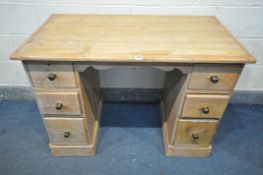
214,79
66,134
195,135
205,110
52,76
59,106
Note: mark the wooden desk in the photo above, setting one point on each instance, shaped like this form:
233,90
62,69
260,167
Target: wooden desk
201,59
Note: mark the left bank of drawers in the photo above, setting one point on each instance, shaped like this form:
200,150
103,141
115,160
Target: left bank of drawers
58,99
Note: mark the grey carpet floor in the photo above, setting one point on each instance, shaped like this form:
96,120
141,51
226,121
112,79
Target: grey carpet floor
130,142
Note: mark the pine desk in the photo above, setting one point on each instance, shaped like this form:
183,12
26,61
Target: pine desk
201,58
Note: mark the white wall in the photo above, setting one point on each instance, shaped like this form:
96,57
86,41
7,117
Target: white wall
19,18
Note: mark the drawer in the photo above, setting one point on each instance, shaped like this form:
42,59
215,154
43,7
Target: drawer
51,75
66,103
66,130
214,77
204,106
195,132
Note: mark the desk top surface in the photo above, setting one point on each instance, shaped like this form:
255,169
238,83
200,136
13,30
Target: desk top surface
154,39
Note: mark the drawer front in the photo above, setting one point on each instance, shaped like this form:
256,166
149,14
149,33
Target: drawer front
195,132
204,106
65,103
214,77
66,130
51,75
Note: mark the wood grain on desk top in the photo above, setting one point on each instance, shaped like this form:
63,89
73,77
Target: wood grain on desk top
160,39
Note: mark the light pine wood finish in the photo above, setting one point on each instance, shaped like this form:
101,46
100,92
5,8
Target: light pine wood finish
202,130
79,150
72,150
190,49
153,39
173,94
88,81
47,102
69,89
227,77
183,151
189,106
179,150
39,75
56,128
194,104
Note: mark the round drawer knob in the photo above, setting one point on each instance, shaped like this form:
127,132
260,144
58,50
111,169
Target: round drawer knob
59,106
52,76
195,135
205,110
214,79
66,134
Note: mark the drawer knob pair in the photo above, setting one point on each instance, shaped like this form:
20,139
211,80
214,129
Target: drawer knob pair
59,106
205,110
214,79
66,134
195,136
52,76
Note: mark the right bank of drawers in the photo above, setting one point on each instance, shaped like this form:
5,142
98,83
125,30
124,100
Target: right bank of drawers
58,98
207,96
